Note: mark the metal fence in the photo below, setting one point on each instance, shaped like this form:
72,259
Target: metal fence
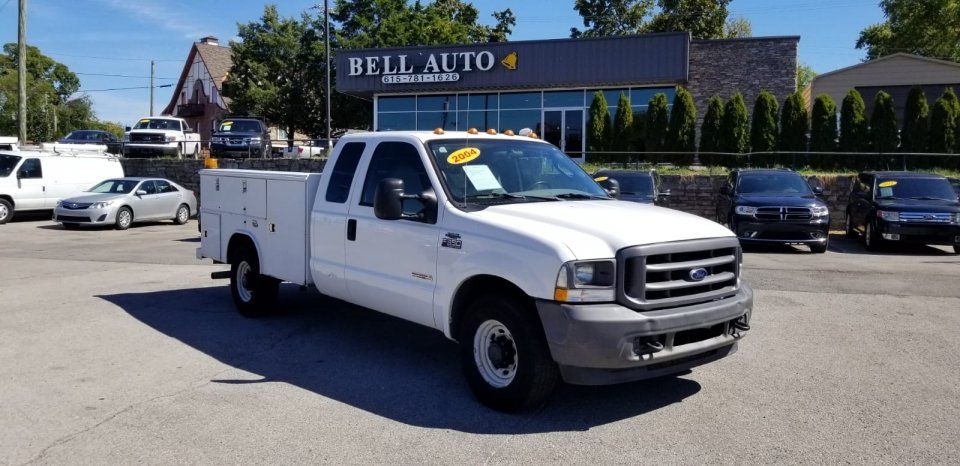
821,161
207,148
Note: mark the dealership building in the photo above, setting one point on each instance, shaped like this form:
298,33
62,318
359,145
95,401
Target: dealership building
548,85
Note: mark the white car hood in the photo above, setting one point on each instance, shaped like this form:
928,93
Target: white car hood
598,229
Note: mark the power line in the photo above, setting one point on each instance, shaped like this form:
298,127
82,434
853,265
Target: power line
47,52
120,75
123,88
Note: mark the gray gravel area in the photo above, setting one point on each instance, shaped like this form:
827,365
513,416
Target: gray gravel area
117,347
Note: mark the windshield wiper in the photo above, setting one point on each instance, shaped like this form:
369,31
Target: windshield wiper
928,198
579,196
508,196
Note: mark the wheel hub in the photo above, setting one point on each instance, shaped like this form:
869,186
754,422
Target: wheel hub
501,352
495,353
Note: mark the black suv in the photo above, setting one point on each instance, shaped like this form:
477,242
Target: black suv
241,137
93,136
904,207
636,186
774,206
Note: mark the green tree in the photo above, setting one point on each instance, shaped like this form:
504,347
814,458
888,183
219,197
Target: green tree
943,123
927,28
794,124
657,125
703,19
603,18
623,138
682,134
916,122
734,126
854,136
805,75
737,27
639,133
823,124
763,128
710,129
883,124
598,124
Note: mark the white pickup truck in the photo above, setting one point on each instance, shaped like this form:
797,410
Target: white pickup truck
161,137
501,242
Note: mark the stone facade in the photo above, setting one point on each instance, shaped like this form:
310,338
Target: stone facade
695,194
749,65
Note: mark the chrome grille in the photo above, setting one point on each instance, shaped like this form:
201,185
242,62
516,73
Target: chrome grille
784,213
661,275
147,137
925,217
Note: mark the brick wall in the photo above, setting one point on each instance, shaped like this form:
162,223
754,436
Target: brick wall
723,67
695,194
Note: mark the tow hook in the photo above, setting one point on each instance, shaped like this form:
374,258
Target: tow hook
739,325
647,345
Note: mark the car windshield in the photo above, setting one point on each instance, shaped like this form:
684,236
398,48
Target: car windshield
115,187
7,164
83,136
480,170
916,188
239,126
773,184
633,184
158,123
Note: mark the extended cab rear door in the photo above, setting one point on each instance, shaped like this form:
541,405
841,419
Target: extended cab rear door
391,264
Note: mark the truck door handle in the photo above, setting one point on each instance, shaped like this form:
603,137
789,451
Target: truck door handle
351,229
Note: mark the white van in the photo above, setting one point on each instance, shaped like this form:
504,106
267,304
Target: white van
37,180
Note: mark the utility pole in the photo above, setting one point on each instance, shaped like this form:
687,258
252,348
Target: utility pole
22,70
151,86
326,37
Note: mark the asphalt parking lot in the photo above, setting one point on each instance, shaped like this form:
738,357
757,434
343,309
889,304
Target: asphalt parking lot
117,347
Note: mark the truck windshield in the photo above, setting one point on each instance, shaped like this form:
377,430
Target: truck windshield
916,188
7,164
114,187
773,184
239,126
158,123
483,170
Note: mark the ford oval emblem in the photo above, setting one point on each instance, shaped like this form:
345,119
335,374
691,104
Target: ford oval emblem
698,274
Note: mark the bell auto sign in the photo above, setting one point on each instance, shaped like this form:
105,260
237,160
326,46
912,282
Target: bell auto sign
439,67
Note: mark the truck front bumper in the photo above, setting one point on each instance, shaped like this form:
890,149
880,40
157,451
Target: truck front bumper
944,234
168,149
600,344
784,232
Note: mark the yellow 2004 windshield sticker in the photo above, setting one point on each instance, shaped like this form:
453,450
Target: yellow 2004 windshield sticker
887,184
601,179
463,155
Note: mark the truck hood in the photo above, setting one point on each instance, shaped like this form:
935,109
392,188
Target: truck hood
237,134
598,229
785,201
918,205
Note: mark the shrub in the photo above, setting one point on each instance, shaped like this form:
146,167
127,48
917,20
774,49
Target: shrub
733,127
682,135
943,123
763,127
622,137
794,124
823,128
710,128
853,123
916,122
656,125
598,124
883,124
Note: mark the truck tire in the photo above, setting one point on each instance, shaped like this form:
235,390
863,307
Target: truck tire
6,211
504,355
254,295
124,218
820,248
851,232
871,239
183,215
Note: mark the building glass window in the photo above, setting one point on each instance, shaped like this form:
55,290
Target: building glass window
563,99
520,100
400,121
519,119
427,121
396,104
482,120
436,103
481,102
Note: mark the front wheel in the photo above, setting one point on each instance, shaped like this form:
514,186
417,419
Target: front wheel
6,211
253,294
183,215
504,355
851,233
124,218
819,248
871,239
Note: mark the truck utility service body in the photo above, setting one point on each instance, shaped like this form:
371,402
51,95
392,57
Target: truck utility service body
610,291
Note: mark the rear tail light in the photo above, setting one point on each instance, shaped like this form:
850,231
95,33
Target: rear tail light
299,150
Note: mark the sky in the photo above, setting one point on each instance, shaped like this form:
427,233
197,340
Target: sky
120,37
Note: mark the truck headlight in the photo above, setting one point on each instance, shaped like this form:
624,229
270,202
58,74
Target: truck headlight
171,138
745,210
586,281
820,211
253,140
100,205
126,137
888,216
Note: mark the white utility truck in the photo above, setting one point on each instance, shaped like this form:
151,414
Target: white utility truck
501,242
161,137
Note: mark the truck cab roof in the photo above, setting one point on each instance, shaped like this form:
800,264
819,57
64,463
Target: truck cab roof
426,136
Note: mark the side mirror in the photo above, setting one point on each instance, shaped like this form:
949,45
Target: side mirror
141,192
612,187
818,190
388,199
725,190
126,128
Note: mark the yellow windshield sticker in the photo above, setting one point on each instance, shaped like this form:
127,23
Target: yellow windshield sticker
463,155
887,184
145,120
601,179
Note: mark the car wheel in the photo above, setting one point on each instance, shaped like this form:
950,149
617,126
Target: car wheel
851,232
183,215
820,248
71,226
6,211
124,218
504,355
870,238
254,295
